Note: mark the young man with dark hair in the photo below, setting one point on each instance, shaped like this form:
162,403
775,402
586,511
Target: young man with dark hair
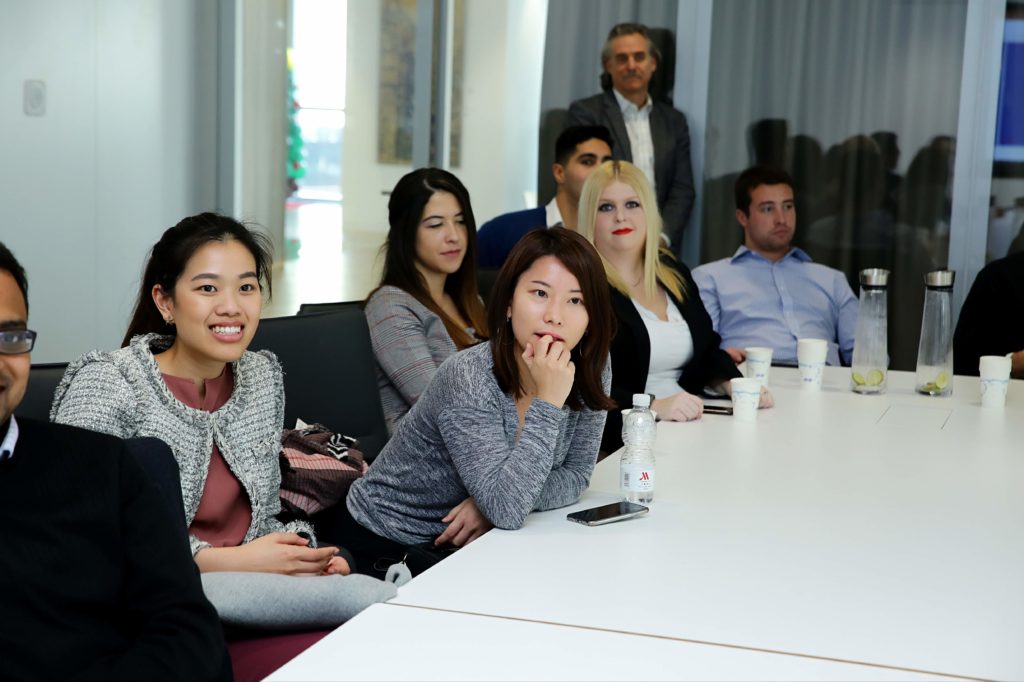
769,293
652,135
97,578
578,151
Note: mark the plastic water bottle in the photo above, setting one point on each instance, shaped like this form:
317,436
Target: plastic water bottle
636,467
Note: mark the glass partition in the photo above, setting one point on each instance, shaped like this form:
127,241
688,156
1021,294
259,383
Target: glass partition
859,102
1006,219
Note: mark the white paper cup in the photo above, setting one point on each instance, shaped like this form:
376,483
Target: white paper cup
995,379
759,363
746,396
810,356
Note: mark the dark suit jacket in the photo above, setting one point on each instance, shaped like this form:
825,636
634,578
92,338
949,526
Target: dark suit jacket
96,574
671,137
991,322
497,236
631,353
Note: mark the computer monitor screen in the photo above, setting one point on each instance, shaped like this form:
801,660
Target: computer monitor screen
1009,151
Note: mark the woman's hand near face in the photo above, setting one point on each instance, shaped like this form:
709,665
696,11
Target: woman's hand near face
465,523
551,368
286,553
681,407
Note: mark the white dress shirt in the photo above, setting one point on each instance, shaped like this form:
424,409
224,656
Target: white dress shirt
638,128
552,216
671,349
10,440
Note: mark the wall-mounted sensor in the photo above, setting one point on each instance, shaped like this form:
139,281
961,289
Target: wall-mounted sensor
35,98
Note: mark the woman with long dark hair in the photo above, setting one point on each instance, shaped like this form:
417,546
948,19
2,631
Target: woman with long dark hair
509,426
426,307
184,376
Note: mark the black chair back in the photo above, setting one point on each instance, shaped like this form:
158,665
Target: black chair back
320,308
42,382
330,373
485,278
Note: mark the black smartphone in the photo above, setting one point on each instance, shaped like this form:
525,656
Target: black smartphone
718,409
608,513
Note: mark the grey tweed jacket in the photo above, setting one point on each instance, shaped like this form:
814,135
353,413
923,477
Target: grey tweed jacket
122,393
409,343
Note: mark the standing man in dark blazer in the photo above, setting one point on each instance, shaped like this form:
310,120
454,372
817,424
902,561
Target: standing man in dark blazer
651,135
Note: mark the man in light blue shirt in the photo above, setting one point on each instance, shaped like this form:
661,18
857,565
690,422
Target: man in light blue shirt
769,293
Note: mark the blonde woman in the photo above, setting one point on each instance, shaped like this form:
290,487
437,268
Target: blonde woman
665,344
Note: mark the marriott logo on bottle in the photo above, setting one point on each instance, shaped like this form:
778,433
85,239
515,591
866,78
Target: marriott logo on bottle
645,476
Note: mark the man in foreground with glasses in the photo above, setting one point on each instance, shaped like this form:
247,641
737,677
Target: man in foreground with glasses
96,577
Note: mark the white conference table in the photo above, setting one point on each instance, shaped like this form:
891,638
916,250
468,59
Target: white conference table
838,528
391,642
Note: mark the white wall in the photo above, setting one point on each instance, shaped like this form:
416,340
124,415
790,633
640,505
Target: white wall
262,119
124,150
501,97
363,179
486,139
504,174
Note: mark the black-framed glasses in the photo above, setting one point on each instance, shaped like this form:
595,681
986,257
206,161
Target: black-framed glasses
16,341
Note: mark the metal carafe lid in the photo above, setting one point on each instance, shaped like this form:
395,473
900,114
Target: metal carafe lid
939,279
874,277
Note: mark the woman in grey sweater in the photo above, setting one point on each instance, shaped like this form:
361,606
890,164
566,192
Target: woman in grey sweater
505,427
426,307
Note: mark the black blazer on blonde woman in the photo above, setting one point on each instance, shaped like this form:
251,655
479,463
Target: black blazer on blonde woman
631,352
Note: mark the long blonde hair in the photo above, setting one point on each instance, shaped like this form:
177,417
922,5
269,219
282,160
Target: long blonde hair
655,271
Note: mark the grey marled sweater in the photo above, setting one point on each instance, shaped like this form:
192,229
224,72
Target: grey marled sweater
459,440
122,393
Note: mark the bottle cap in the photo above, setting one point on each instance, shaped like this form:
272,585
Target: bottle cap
939,278
641,400
874,277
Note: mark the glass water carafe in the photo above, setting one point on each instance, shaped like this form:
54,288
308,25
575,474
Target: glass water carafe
870,345
935,352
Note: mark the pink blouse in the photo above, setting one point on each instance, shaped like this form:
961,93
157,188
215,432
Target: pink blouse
224,514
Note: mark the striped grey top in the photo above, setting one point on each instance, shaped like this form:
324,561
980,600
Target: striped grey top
409,343
123,393
459,440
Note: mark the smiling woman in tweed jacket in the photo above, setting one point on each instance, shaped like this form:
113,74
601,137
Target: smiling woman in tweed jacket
218,406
